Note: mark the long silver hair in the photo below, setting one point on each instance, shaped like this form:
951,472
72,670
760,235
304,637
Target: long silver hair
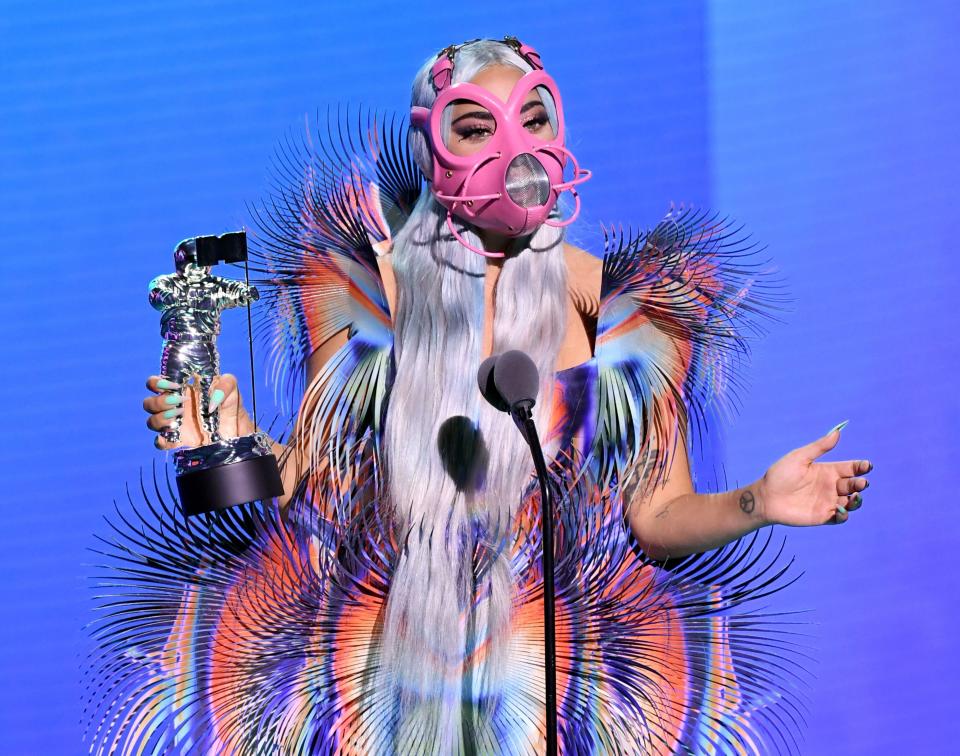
456,468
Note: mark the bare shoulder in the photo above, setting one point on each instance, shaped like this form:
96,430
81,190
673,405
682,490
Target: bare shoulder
385,264
579,261
584,276
385,261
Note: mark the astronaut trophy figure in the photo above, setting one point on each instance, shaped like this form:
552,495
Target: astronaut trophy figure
222,472
191,301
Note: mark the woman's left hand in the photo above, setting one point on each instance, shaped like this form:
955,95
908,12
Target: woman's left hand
798,490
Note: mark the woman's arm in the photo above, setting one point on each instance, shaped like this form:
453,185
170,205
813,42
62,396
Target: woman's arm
675,520
294,458
796,490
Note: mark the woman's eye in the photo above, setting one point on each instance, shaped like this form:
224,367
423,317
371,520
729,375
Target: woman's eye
536,123
473,133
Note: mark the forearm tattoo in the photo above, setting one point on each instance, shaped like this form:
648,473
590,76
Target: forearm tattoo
747,502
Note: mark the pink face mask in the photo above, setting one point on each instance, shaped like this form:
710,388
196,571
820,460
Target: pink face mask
512,183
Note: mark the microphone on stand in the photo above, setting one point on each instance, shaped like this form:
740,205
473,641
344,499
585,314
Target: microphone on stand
510,382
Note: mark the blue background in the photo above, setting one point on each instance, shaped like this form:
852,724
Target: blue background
828,127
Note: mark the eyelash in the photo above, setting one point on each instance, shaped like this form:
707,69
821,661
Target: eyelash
471,131
474,131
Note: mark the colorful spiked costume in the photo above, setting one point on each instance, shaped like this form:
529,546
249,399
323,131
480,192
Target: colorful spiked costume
255,631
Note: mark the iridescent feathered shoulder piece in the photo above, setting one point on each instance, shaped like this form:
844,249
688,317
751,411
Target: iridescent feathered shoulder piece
679,304
338,194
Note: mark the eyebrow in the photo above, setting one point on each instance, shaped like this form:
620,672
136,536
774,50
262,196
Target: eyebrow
486,115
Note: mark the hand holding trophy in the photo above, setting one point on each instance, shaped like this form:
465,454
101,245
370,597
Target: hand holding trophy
221,472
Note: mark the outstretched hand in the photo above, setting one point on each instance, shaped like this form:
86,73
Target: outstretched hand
798,490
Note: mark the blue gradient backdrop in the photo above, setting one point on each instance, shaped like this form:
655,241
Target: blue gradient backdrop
829,128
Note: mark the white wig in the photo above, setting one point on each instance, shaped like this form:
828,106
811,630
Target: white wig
456,468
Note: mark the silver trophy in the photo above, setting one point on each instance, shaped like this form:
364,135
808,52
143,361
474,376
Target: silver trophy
225,471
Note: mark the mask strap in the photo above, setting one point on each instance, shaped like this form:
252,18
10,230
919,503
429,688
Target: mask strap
525,51
442,72
465,243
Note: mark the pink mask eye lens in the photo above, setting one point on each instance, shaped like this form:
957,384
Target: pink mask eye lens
542,116
471,124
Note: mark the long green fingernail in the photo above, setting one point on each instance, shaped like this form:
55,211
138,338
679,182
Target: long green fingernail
172,413
174,399
838,427
216,398
163,383
841,510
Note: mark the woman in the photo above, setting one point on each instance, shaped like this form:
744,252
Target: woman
391,601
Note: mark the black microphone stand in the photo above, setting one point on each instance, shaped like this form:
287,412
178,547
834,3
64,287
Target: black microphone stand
524,419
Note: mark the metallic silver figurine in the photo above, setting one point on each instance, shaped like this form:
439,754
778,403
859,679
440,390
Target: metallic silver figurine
224,471
191,301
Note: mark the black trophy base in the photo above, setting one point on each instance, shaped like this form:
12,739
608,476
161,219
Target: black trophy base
224,486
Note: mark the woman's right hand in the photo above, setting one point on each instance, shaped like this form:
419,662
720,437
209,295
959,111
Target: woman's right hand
171,402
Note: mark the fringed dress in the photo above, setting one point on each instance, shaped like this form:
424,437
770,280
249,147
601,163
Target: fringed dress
255,630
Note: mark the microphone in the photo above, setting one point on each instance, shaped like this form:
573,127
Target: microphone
516,379
487,386
510,382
